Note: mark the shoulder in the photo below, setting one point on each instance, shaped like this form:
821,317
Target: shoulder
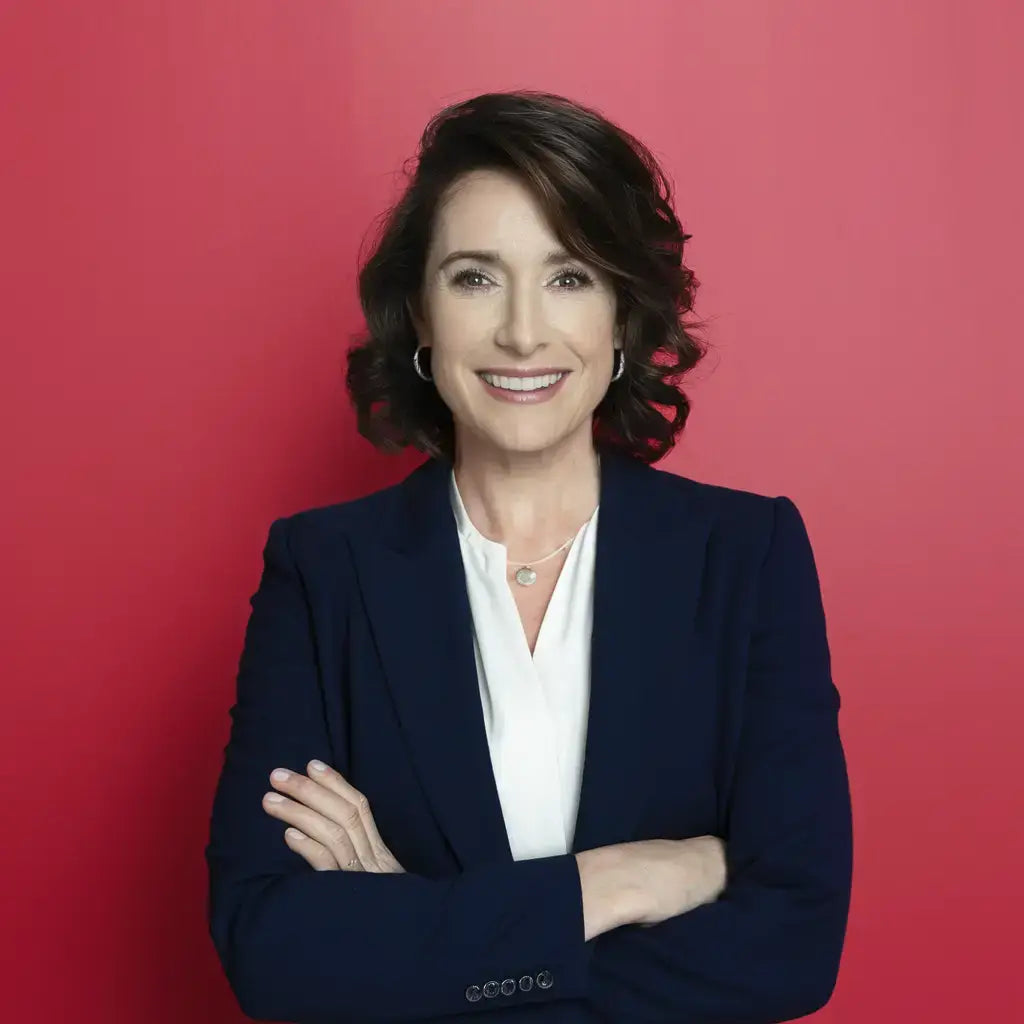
744,530
745,534
715,499
731,515
359,517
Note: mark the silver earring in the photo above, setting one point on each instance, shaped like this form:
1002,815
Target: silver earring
416,364
622,364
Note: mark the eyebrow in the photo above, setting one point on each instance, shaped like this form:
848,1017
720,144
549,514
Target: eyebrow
491,257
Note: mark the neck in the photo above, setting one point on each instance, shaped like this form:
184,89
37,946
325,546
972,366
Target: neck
529,501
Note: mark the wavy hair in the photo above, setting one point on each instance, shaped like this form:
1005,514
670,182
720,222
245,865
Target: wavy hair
609,204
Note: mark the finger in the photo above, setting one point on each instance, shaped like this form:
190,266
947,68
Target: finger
337,783
314,825
344,831
315,854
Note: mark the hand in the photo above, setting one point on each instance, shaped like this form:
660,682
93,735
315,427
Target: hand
677,875
332,825
648,881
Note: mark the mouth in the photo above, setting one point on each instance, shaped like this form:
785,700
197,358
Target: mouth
538,383
524,389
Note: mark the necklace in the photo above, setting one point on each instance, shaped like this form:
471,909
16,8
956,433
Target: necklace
525,574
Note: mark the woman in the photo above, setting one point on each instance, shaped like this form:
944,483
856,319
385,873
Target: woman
490,754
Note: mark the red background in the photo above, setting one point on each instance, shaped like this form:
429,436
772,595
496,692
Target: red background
185,187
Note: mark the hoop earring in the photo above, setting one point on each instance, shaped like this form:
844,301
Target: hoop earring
622,364
416,364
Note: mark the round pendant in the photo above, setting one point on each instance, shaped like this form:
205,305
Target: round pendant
526,576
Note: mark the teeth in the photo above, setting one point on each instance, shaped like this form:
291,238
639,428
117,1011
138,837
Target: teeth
522,383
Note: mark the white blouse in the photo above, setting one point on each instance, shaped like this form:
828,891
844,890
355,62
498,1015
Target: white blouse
535,706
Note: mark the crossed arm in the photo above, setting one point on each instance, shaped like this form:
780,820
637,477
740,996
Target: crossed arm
368,945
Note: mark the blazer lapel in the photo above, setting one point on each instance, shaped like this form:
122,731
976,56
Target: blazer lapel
416,598
649,561
651,540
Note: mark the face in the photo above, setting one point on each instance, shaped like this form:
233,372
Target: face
521,334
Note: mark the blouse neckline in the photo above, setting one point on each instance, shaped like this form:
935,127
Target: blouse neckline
469,532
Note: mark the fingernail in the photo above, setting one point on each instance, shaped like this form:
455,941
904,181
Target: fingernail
274,798
318,766
293,833
280,775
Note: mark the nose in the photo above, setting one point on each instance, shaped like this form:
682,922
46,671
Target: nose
521,330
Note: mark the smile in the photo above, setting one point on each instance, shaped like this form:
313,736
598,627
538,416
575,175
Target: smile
522,383
524,390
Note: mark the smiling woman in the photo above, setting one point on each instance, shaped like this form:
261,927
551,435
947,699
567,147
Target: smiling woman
549,733
534,237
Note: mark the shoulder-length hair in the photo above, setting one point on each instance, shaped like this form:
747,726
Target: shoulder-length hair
608,202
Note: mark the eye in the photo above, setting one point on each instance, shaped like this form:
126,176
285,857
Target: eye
466,279
461,279
581,276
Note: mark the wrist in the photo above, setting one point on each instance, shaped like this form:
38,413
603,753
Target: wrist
612,893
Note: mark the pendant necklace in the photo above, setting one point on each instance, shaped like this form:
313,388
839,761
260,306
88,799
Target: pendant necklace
525,574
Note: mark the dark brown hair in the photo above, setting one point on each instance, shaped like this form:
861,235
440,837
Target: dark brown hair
609,204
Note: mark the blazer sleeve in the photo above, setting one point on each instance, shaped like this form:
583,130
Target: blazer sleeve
300,944
768,949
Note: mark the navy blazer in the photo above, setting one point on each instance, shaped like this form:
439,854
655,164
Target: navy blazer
712,711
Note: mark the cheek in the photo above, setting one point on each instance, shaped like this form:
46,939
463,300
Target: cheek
457,333
594,347
453,377
590,325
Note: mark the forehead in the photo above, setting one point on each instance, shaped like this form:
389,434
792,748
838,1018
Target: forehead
490,210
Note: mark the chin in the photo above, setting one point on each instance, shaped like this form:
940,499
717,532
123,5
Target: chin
527,442
523,446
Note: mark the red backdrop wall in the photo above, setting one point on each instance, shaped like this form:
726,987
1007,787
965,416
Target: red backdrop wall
185,187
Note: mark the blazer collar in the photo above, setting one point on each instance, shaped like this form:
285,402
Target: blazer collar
423,517
650,550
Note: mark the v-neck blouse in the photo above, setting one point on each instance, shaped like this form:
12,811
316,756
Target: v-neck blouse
535,706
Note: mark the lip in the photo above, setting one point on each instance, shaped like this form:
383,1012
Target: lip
540,371
526,397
